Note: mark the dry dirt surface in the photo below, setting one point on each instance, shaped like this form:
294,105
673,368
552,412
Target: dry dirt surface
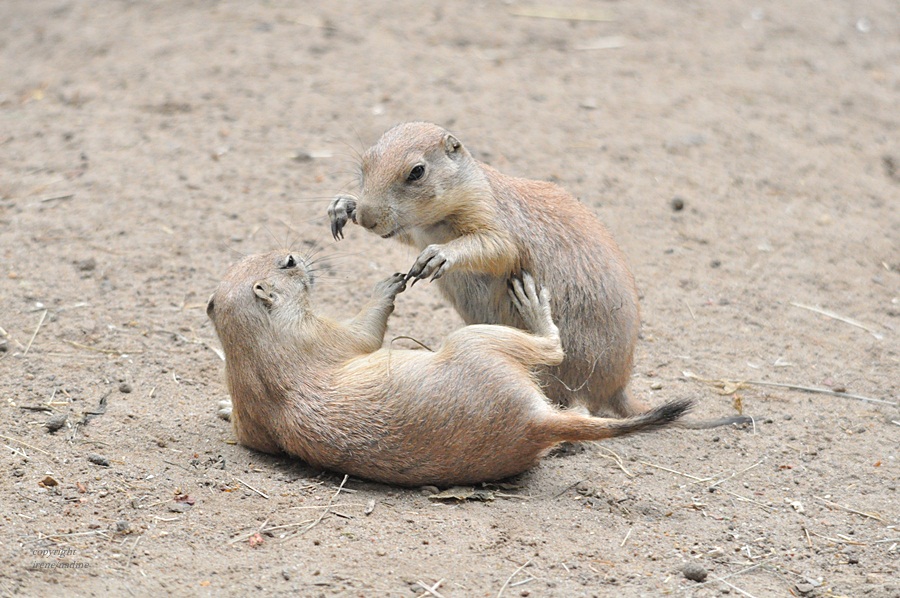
745,156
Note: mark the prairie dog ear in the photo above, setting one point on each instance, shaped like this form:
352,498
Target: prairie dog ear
263,290
211,307
451,144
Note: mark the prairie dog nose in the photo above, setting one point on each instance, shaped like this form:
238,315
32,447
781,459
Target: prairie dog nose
365,218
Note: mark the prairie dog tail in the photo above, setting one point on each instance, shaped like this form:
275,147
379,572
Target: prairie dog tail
575,427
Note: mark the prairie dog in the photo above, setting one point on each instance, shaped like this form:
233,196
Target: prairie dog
475,227
327,392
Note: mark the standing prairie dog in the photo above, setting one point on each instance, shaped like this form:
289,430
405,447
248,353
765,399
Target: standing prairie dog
327,393
475,227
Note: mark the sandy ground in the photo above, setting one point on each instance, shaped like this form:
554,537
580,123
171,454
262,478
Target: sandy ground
145,145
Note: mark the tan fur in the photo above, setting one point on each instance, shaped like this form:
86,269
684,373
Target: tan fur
475,227
327,393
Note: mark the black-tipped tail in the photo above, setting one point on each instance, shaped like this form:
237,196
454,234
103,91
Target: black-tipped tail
574,427
658,417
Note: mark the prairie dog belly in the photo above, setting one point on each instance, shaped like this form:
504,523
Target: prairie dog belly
479,298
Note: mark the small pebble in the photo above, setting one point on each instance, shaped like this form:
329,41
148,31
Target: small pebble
656,386
56,422
122,526
677,204
98,460
429,490
805,588
717,552
694,572
86,265
48,482
125,388
179,507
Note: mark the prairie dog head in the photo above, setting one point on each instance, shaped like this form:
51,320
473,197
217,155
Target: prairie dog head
261,293
416,175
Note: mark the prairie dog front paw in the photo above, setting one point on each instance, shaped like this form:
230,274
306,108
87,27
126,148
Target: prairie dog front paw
341,209
225,408
391,286
434,261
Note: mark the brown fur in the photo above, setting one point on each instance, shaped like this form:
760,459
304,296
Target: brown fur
475,227
327,393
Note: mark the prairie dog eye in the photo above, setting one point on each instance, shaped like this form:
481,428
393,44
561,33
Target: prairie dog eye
289,262
417,172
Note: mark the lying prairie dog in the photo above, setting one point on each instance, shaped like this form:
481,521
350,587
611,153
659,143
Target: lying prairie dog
476,227
327,392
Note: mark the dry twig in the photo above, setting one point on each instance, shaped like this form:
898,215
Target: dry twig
509,579
261,493
287,525
849,510
687,475
552,12
56,197
839,541
41,323
737,473
732,386
433,589
327,508
734,587
615,457
258,530
824,391
745,499
840,318
34,448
